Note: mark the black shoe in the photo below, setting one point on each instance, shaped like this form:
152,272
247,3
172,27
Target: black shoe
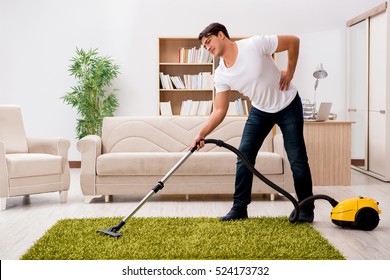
306,216
235,214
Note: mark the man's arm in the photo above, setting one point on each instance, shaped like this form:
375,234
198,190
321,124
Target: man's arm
290,44
221,104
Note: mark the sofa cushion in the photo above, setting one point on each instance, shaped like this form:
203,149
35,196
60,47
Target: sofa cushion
199,163
28,165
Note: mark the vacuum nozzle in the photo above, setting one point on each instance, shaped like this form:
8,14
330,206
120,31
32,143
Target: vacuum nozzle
113,231
110,233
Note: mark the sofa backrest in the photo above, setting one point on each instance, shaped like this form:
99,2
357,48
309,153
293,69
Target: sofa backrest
168,133
12,132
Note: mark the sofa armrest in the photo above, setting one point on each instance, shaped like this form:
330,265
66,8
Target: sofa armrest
54,146
287,174
90,148
3,172
278,144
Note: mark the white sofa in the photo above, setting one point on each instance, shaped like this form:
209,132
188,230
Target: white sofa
134,153
30,165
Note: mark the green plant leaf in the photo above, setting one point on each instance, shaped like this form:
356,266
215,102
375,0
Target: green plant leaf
94,75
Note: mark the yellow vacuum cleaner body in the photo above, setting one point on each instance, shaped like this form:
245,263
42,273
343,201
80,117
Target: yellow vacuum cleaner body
358,213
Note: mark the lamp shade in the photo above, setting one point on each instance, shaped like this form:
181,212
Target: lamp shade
320,72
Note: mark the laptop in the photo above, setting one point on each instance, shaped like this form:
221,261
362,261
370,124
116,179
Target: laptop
323,113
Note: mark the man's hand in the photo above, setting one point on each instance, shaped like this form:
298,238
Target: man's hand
289,43
285,80
198,143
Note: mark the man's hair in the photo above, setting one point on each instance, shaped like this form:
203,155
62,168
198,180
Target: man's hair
213,29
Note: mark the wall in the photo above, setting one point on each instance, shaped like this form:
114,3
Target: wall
38,39
328,48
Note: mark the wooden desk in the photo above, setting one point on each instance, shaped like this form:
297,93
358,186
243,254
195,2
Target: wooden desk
328,146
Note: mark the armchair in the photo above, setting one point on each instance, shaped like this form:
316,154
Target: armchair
30,165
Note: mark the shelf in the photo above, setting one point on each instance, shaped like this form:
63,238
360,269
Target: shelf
170,55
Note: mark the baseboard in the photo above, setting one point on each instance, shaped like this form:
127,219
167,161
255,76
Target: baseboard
75,164
358,162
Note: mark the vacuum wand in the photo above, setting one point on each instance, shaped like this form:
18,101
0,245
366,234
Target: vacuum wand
113,231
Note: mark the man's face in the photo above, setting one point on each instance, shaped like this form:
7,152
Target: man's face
211,44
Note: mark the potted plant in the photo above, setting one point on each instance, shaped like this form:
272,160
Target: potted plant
90,96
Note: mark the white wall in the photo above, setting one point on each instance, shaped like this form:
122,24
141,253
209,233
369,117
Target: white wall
39,37
328,48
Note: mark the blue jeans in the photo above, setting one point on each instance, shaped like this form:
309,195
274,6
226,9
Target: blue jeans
257,127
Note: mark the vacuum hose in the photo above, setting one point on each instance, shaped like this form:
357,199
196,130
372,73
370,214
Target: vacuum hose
295,214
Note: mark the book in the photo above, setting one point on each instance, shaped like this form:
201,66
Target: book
202,108
162,80
238,107
166,82
186,108
177,82
182,108
209,107
207,80
166,108
205,107
196,108
195,55
202,80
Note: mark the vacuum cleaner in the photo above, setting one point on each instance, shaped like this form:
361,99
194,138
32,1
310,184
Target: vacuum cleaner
356,213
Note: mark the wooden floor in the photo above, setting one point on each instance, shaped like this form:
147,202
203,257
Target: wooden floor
24,222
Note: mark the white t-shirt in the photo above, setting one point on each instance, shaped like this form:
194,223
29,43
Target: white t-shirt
255,75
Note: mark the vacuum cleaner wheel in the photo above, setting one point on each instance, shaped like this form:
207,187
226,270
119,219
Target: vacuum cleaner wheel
367,218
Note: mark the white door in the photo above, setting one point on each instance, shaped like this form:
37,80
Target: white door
358,91
377,95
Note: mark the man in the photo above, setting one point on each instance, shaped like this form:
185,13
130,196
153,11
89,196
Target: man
248,67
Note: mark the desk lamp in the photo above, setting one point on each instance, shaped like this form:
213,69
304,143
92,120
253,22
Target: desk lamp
319,73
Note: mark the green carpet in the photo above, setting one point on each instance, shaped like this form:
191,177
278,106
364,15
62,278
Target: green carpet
182,238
